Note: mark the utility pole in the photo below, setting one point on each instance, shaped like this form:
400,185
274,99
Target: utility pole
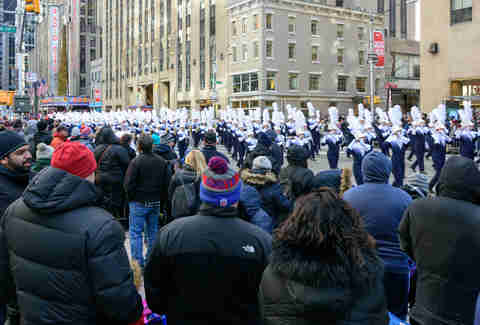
372,60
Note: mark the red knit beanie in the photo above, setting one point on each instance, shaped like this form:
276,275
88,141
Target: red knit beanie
74,158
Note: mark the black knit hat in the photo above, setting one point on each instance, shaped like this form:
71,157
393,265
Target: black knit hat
297,153
10,142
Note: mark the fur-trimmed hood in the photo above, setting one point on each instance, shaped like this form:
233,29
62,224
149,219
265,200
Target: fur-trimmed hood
255,179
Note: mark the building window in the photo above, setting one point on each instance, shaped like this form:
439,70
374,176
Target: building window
256,50
339,3
245,82
256,23
188,78
361,57
340,56
377,87
293,81
342,83
340,31
237,83
244,25
291,25
461,11
269,21
291,51
234,54
271,80
234,28
314,82
244,52
314,27
315,57
361,33
269,49
361,83
406,66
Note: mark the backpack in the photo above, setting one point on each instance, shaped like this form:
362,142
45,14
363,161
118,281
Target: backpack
185,200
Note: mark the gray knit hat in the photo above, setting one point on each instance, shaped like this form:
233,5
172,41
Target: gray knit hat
44,151
262,163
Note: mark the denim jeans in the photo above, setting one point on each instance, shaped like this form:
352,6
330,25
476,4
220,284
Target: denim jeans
142,217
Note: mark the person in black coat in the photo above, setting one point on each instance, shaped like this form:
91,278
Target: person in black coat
15,163
266,147
65,255
441,235
323,268
165,148
42,136
146,183
296,178
205,269
112,160
191,172
271,197
209,149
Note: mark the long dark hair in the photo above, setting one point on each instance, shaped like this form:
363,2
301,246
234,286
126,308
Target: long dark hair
325,229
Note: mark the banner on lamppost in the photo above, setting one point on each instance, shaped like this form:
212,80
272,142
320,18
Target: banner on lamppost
54,34
379,47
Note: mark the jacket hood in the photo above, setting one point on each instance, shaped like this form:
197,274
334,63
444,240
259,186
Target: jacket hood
162,148
460,180
376,168
54,190
257,179
106,136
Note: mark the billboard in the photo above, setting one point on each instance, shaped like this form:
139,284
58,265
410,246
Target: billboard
379,48
54,43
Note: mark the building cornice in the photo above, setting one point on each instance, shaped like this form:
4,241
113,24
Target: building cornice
306,8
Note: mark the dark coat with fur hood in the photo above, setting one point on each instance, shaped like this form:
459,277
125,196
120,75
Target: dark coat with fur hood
297,289
275,204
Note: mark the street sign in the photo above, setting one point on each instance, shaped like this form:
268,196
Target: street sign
8,29
31,77
219,82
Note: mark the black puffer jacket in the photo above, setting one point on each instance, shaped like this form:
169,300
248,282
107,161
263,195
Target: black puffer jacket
210,151
205,269
301,290
67,256
295,181
113,165
12,186
442,235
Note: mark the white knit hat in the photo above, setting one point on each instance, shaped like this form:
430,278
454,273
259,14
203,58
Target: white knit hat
44,151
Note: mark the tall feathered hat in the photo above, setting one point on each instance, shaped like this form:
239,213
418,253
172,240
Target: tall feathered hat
333,118
266,116
300,121
395,114
311,110
416,116
466,114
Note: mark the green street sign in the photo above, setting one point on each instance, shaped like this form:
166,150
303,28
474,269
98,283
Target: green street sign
8,29
219,82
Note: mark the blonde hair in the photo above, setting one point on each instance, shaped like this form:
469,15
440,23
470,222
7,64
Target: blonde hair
345,181
137,273
196,160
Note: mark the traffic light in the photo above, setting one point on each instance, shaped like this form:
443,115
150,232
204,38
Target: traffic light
32,6
376,100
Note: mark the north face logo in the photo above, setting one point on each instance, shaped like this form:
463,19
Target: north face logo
249,249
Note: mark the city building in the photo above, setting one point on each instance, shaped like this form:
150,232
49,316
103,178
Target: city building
402,64
45,58
163,53
96,85
184,53
293,52
450,64
81,21
7,45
